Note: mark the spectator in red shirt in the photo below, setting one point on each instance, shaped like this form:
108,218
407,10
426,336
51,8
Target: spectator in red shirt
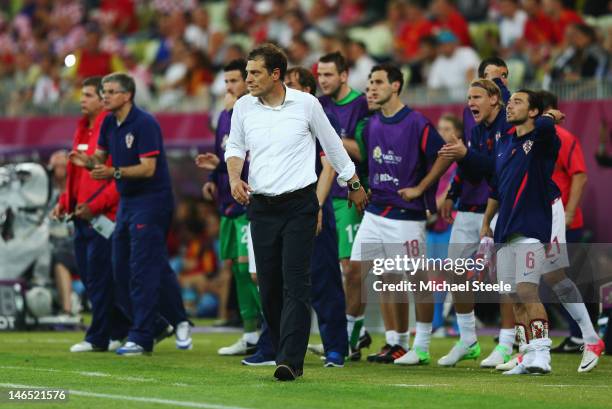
539,27
91,61
447,17
561,17
122,14
89,200
413,30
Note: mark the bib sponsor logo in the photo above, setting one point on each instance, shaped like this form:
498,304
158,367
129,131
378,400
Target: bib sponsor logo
389,158
129,140
385,177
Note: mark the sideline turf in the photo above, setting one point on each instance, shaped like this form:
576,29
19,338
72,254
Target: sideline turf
200,375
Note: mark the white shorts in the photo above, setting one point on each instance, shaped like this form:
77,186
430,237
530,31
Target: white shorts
380,237
520,261
251,252
465,235
556,251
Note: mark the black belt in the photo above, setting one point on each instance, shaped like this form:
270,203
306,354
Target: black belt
285,197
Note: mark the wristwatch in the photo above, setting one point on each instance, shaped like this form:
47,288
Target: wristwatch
117,174
354,186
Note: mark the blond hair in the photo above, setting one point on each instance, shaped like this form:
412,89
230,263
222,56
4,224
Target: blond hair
490,87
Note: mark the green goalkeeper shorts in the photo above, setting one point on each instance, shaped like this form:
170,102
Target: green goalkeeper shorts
233,237
347,224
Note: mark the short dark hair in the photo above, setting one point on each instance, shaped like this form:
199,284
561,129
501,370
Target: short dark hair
299,39
125,82
587,30
393,74
237,65
549,100
95,81
455,121
429,40
496,61
272,56
360,44
305,78
338,59
534,100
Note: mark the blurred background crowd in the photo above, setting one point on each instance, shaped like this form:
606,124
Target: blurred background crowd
175,49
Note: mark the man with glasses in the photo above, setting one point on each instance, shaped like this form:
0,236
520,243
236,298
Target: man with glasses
133,139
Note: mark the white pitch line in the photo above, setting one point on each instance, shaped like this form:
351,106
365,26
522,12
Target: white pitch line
417,385
577,386
38,341
84,373
185,404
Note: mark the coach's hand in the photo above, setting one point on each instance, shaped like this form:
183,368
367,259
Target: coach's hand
240,191
209,190
58,211
102,172
446,211
79,158
359,198
82,211
410,193
453,151
208,161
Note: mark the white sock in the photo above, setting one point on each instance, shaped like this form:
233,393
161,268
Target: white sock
423,336
403,339
580,314
506,338
251,337
570,297
467,328
350,324
391,337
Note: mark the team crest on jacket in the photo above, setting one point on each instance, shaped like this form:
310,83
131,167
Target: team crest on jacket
497,136
129,140
527,146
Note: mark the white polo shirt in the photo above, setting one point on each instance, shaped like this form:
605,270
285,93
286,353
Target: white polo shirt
281,142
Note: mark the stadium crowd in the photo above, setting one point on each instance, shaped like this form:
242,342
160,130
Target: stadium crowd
176,49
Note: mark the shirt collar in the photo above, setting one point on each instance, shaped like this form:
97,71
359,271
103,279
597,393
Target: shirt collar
291,95
131,116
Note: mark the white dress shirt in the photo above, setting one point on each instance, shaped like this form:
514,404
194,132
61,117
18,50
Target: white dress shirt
281,142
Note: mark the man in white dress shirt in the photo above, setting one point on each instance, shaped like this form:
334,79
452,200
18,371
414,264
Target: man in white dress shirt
278,126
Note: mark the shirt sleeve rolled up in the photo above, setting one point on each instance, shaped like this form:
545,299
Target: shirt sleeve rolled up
236,145
331,143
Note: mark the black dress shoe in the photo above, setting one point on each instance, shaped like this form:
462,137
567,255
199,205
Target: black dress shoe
568,346
286,373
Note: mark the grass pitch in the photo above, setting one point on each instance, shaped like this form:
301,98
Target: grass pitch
202,379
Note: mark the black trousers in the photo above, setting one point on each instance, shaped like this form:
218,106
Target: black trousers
283,230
